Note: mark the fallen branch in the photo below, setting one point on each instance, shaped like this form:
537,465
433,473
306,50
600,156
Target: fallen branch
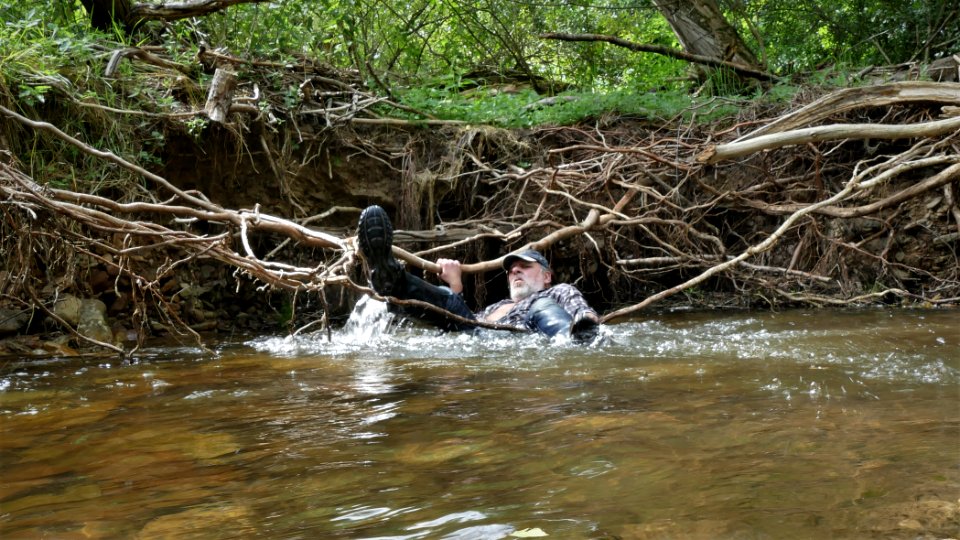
847,99
828,133
143,56
593,220
206,210
827,300
215,247
710,260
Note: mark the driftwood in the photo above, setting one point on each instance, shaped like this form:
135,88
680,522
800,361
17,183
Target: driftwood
785,131
946,69
856,183
98,213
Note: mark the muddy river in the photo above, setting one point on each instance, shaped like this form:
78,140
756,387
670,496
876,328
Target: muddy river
798,424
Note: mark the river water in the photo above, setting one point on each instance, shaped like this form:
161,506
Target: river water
799,424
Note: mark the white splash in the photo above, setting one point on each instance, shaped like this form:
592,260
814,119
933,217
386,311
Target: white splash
368,320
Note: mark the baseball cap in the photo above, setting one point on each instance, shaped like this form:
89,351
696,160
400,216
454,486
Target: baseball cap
529,255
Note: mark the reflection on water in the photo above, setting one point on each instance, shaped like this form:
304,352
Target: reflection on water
748,425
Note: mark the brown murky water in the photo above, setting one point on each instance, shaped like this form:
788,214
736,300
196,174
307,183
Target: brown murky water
748,425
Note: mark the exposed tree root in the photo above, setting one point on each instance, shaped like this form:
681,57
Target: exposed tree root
631,216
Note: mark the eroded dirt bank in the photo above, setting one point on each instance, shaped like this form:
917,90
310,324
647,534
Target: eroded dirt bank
623,208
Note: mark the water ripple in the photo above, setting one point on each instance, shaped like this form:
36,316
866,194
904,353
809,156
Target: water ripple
897,345
456,517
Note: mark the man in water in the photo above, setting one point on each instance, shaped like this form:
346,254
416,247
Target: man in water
535,303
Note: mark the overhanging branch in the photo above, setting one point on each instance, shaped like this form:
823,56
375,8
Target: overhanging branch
739,69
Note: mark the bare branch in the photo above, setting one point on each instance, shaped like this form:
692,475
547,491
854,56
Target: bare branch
847,99
828,133
740,69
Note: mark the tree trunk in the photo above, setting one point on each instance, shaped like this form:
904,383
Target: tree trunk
702,30
107,14
183,10
103,13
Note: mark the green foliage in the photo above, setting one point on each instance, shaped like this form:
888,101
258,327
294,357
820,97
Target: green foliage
781,93
404,42
805,34
455,59
400,44
33,51
411,41
196,126
51,62
526,108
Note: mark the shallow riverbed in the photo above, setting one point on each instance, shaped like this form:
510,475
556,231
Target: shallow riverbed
801,424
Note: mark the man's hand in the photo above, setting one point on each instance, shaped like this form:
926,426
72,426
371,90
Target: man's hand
451,273
586,329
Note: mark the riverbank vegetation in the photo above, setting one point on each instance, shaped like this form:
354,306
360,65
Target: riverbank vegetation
193,167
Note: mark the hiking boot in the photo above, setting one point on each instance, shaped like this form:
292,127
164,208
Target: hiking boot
375,237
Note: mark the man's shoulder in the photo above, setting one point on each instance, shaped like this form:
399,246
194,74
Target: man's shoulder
566,294
563,288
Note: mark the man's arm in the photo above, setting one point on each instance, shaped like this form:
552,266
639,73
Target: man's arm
451,274
585,325
571,299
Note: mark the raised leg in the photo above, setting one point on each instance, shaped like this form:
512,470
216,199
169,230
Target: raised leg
387,277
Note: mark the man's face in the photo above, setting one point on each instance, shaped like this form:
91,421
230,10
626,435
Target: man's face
526,278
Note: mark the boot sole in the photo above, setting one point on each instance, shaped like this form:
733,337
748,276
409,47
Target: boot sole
375,236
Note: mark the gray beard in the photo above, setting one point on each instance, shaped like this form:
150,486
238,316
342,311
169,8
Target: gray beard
519,292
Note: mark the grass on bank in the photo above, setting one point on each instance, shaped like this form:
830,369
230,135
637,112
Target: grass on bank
527,109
